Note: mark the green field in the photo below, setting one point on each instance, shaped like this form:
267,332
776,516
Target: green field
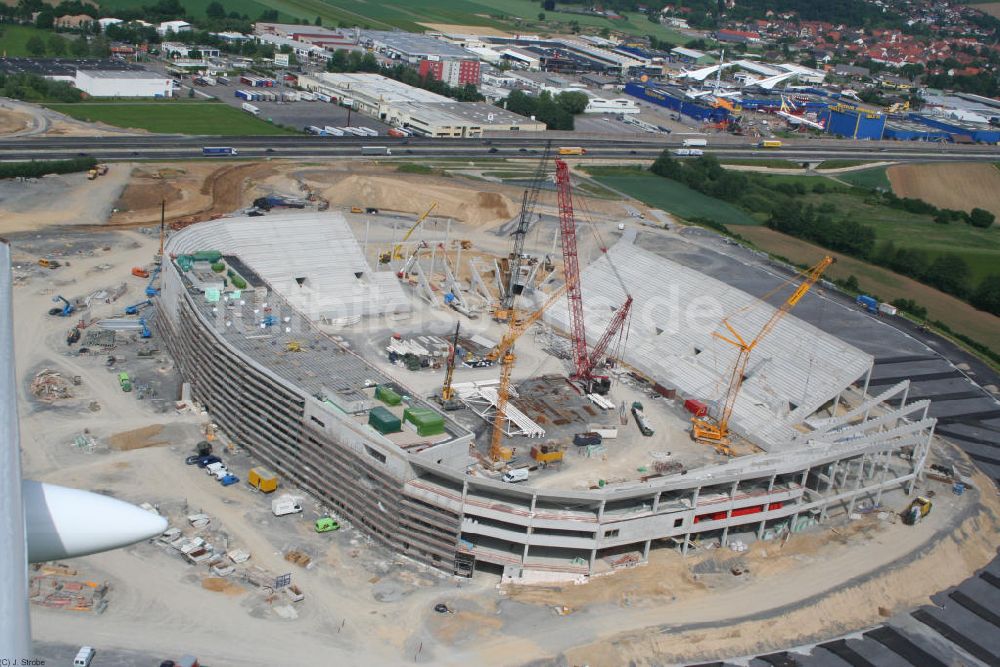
670,196
196,8
407,15
13,39
867,178
172,117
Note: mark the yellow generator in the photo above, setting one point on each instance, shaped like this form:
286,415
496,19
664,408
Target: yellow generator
262,479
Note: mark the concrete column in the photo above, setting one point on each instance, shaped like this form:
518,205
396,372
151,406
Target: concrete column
600,511
593,559
864,392
656,502
919,466
881,480
836,404
645,550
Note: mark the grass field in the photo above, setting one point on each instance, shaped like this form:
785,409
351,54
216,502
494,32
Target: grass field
888,286
771,163
14,38
841,164
408,15
196,8
867,178
670,196
171,117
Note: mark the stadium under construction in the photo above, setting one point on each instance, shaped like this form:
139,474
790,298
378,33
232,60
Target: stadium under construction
674,413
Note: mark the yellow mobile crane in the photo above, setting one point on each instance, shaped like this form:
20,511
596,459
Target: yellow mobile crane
397,250
716,431
504,351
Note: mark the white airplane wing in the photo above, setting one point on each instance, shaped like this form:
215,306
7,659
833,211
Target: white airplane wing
41,522
771,81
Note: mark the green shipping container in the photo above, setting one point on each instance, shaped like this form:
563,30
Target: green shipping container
427,421
387,395
211,256
384,421
185,262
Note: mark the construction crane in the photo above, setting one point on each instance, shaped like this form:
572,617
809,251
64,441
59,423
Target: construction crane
505,352
584,363
397,250
528,201
715,431
158,259
448,401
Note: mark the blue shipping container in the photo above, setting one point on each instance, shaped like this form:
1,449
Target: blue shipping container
868,303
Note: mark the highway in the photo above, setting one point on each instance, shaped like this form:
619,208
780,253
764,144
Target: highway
172,147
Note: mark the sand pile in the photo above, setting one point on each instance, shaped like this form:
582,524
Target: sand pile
472,207
148,436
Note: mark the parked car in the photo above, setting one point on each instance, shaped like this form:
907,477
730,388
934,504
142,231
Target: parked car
205,461
193,459
229,479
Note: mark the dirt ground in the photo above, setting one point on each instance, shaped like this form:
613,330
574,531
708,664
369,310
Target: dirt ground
12,121
958,186
63,200
991,8
484,31
200,191
962,317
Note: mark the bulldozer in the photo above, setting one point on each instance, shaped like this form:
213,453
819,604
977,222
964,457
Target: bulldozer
917,510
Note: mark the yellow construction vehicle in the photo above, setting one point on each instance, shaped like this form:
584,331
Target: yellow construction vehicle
504,351
293,346
715,431
357,209
397,251
917,510
447,398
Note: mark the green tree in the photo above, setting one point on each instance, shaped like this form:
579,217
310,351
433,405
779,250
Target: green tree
949,273
35,46
573,102
318,21
987,295
851,284
269,15
981,218
80,48
215,10
541,16
45,19
57,45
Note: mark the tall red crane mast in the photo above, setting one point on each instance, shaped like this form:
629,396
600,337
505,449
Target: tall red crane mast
584,364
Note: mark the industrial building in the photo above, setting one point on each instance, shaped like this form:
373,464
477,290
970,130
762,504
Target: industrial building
424,112
438,59
307,405
128,83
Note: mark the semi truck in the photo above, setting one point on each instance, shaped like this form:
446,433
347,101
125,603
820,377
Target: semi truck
867,303
375,150
689,152
219,150
688,143
251,109
769,143
572,150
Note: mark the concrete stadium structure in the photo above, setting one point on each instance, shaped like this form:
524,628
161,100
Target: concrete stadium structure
305,413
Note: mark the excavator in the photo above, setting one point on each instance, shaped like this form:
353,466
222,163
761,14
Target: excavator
715,431
504,351
397,250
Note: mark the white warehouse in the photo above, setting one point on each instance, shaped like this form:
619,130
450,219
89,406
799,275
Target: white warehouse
123,83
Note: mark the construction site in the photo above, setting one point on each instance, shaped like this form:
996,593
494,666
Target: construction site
382,371
522,389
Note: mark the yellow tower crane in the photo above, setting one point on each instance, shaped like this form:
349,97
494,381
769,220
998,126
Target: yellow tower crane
397,250
715,431
504,351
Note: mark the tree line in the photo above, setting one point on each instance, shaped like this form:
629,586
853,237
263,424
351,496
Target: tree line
822,225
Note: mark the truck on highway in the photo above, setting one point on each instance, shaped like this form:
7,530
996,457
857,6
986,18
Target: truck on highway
688,143
769,143
219,150
572,150
375,150
689,152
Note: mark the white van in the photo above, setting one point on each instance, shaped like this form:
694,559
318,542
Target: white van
285,505
516,475
213,468
84,656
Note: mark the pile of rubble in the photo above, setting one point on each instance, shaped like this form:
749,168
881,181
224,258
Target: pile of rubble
49,385
53,586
